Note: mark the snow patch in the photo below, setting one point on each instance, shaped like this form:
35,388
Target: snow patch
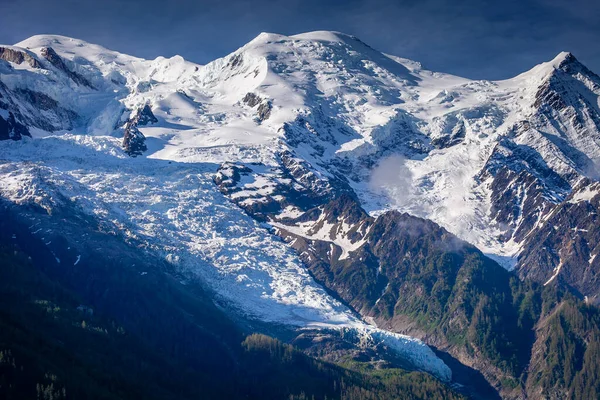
587,194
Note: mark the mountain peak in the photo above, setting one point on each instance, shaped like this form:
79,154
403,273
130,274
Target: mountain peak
324,36
316,36
563,60
265,37
567,63
48,40
562,57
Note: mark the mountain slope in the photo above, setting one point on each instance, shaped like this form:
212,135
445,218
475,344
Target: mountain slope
304,133
98,328
409,275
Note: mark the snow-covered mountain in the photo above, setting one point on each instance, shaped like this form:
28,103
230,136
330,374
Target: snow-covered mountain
165,202
174,155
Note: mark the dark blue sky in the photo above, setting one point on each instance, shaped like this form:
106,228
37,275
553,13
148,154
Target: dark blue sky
477,39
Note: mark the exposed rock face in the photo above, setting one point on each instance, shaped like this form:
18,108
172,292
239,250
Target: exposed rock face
145,116
456,136
18,57
523,187
26,107
264,106
54,59
264,110
542,181
11,129
235,61
134,141
292,185
58,117
537,164
32,108
36,109
251,99
38,99
554,94
564,249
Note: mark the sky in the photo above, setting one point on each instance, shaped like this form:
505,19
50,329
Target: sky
476,39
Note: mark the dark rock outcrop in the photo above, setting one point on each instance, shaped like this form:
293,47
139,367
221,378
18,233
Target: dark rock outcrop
49,54
18,57
32,102
251,99
134,141
39,100
36,109
293,183
10,128
235,61
556,91
264,110
145,116
455,137
563,250
264,106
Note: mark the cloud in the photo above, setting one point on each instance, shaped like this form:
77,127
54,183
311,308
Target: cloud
392,178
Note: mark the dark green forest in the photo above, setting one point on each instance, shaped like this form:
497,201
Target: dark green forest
53,347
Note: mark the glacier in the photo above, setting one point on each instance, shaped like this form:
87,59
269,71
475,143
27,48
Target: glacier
174,211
